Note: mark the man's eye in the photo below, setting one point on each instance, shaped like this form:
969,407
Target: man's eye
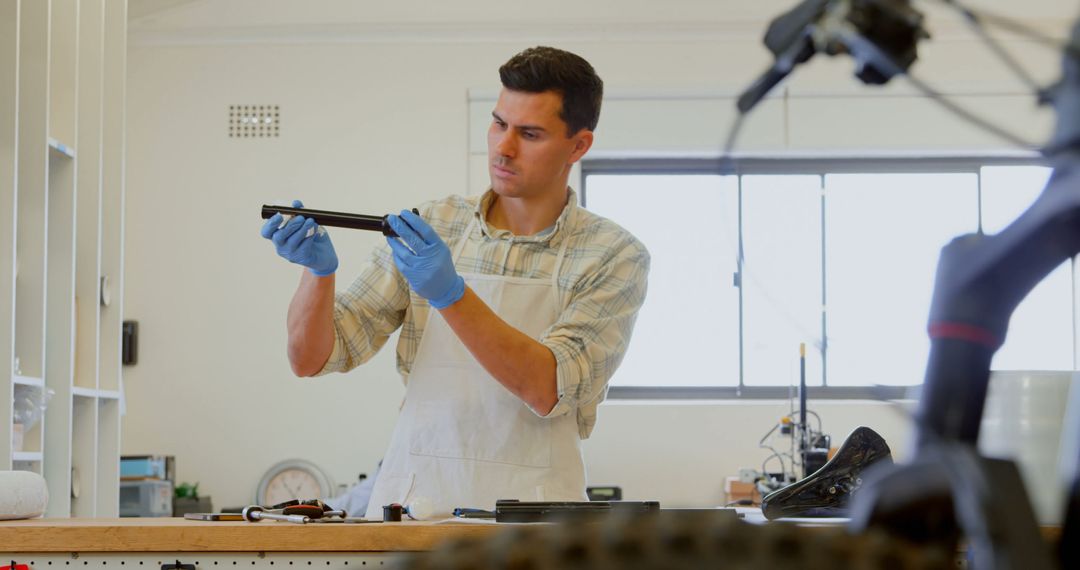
529,135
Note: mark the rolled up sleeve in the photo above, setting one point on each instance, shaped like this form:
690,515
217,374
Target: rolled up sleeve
592,334
367,313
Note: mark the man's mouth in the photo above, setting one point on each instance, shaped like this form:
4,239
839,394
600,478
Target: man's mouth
502,171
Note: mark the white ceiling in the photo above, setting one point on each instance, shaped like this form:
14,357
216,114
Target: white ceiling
313,20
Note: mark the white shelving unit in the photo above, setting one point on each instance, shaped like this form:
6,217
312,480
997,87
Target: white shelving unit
62,71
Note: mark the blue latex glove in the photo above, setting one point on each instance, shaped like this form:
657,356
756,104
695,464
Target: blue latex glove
293,243
425,260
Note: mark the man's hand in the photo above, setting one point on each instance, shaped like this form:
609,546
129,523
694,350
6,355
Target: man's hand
425,260
303,242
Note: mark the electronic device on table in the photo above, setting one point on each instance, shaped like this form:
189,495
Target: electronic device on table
809,447
146,498
214,517
827,485
146,485
511,510
598,493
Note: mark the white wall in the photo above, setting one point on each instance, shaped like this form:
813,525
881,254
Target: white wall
375,126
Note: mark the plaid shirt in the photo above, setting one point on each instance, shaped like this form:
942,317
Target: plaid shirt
602,283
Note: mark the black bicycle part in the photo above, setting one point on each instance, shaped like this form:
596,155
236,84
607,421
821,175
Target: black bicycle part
336,219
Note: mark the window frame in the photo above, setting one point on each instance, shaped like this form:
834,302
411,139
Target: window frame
810,166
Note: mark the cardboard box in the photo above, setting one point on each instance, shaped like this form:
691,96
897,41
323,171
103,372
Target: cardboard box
138,467
737,490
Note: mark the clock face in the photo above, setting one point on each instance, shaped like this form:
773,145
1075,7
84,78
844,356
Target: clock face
293,479
292,484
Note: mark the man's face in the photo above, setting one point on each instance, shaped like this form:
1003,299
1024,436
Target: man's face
529,153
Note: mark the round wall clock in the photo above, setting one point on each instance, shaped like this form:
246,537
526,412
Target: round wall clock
293,479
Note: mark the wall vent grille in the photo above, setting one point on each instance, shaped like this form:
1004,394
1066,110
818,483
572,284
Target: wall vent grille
246,121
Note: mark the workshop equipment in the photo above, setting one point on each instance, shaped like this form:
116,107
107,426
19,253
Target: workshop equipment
809,448
255,513
146,498
313,508
392,512
690,540
813,446
139,467
826,492
609,493
947,490
147,484
294,511
214,516
335,219
511,510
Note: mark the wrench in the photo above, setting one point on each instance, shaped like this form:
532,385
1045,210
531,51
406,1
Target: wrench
255,513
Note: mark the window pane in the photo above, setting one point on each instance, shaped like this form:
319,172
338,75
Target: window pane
687,331
781,279
1041,330
884,233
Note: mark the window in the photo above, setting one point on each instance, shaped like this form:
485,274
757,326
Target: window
781,278
883,235
837,255
694,221
1040,333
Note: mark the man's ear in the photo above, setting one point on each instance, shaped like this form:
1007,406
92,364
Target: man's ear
582,143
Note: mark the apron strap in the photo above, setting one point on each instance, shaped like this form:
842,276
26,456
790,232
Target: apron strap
556,291
464,239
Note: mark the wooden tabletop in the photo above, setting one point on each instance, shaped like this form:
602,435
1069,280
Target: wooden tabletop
181,535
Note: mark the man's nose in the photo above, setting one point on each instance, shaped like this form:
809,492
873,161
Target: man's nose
507,145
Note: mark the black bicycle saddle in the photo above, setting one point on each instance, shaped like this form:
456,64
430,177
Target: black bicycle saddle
827,491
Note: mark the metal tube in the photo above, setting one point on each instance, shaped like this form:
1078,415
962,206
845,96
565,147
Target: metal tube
256,513
804,440
335,219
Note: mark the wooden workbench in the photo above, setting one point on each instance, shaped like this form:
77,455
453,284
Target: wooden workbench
96,544
255,546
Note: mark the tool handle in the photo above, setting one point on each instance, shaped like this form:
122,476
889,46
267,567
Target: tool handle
298,519
256,513
335,219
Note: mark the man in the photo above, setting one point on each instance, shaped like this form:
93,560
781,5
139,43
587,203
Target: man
516,307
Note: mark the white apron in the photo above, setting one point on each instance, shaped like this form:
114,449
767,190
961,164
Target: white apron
462,439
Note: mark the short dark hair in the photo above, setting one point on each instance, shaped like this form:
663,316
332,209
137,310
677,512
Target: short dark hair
539,69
